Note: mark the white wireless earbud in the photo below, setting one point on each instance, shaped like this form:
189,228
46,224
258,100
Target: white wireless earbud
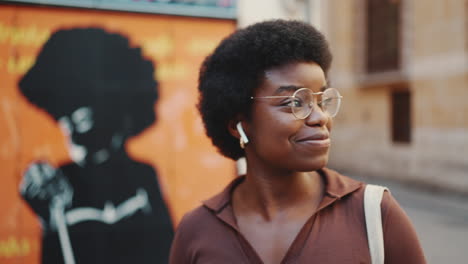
242,133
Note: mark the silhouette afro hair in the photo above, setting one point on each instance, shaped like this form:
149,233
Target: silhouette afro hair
91,67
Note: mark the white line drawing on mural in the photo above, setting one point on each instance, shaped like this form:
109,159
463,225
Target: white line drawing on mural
57,211
47,184
111,214
81,120
49,187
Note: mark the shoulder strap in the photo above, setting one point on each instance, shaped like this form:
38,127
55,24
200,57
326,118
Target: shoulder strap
372,199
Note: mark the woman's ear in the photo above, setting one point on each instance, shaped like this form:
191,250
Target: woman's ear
242,134
236,129
232,128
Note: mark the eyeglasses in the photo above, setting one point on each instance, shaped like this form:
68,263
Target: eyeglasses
302,102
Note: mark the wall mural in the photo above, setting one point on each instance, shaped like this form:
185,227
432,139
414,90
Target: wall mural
101,94
102,150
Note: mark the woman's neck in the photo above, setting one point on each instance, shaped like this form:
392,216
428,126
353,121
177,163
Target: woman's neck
273,192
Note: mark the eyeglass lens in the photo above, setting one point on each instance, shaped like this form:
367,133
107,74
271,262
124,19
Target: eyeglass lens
329,102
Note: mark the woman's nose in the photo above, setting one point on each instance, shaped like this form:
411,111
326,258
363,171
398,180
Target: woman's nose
317,117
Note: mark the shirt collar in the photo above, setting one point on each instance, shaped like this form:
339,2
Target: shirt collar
336,186
220,200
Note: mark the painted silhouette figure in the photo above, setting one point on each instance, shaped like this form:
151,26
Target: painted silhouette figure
103,207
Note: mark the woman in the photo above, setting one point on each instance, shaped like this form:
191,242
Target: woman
264,95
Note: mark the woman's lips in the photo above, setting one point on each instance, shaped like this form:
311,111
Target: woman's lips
321,143
315,140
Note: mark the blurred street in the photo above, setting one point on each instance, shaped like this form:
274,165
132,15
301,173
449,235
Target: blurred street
441,220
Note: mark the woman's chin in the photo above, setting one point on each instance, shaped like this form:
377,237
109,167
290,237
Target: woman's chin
314,164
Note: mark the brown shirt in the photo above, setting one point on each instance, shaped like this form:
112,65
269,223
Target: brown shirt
336,233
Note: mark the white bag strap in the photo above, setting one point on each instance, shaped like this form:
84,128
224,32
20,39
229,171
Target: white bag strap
372,199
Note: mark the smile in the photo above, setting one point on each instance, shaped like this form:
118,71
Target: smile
318,143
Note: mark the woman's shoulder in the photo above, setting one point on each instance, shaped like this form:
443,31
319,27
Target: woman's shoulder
342,186
195,216
200,220
400,237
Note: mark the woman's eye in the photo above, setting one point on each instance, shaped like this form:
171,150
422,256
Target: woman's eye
295,103
325,101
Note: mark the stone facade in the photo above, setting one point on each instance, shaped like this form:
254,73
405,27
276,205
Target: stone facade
433,68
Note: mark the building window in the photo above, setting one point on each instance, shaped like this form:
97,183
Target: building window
401,116
383,35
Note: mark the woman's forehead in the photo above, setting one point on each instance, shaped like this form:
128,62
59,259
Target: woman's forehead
290,77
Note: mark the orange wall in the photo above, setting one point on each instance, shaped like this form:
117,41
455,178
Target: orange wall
189,169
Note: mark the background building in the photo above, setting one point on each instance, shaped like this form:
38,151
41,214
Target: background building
403,69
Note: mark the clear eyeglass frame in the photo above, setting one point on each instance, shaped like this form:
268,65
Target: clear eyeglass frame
330,102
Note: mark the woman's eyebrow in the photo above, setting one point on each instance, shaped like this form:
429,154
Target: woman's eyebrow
293,88
287,88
